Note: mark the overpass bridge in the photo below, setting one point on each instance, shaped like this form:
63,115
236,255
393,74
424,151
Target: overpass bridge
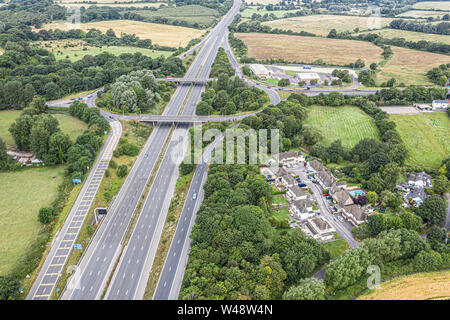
188,81
183,118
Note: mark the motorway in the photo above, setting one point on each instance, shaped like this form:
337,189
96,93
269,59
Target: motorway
98,261
130,278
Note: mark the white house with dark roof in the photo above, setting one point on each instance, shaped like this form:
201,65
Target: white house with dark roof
290,158
420,180
342,197
303,209
296,193
288,181
326,179
316,165
440,104
320,229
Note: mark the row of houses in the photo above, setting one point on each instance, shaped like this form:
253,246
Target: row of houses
341,197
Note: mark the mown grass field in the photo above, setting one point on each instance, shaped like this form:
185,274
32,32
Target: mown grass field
249,11
22,194
426,136
322,24
409,66
336,248
439,5
347,123
189,13
308,49
411,35
422,14
68,124
162,34
420,286
75,50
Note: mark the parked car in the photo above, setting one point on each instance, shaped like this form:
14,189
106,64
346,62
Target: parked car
302,185
328,198
326,194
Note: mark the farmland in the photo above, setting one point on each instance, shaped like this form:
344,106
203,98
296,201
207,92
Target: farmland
411,35
161,34
426,136
190,13
308,49
76,49
22,194
420,286
436,5
409,66
249,11
322,24
110,3
347,123
70,125
417,14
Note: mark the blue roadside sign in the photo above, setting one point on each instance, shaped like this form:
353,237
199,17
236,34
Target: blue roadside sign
76,180
77,246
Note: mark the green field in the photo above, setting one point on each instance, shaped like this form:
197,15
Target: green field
78,54
427,137
336,248
347,123
281,214
68,124
189,13
279,199
248,12
423,14
22,194
410,35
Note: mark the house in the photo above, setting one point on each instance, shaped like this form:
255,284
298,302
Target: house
288,181
354,214
420,180
341,184
440,104
290,158
307,77
316,166
416,196
259,70
342,197
320,228
303,209
326,179
296,193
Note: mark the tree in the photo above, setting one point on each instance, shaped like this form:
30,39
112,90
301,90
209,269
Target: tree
441,184
376,223
9,287
52,91
373,66
411,221
391,199
20,131
45,215
284,82
378,160
437,234
372,197
307,289
122,171
44,127
348,268
59,146
332,33
427,261
395,223
433,209
203,109
3,155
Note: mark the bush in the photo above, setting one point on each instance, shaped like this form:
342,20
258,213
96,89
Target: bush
9,288
427,261
122,171
45,215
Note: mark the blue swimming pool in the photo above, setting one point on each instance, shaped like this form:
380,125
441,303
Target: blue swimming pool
356,193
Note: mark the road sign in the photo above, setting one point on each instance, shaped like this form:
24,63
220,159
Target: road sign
76,180
77,246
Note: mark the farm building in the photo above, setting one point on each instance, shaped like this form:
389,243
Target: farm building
259,70
307,77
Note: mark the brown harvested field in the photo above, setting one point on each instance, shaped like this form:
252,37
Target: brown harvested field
120,5
411,35
417,14
322,24
308,49
162,34
409,66
440,5
420,286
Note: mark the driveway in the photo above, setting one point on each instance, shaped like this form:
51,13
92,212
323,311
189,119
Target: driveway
342,228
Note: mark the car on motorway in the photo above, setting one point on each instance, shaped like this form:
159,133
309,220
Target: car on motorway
194,196
146,155
269,87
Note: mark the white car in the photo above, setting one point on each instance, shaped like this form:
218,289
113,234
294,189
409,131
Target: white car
194,196
340,218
